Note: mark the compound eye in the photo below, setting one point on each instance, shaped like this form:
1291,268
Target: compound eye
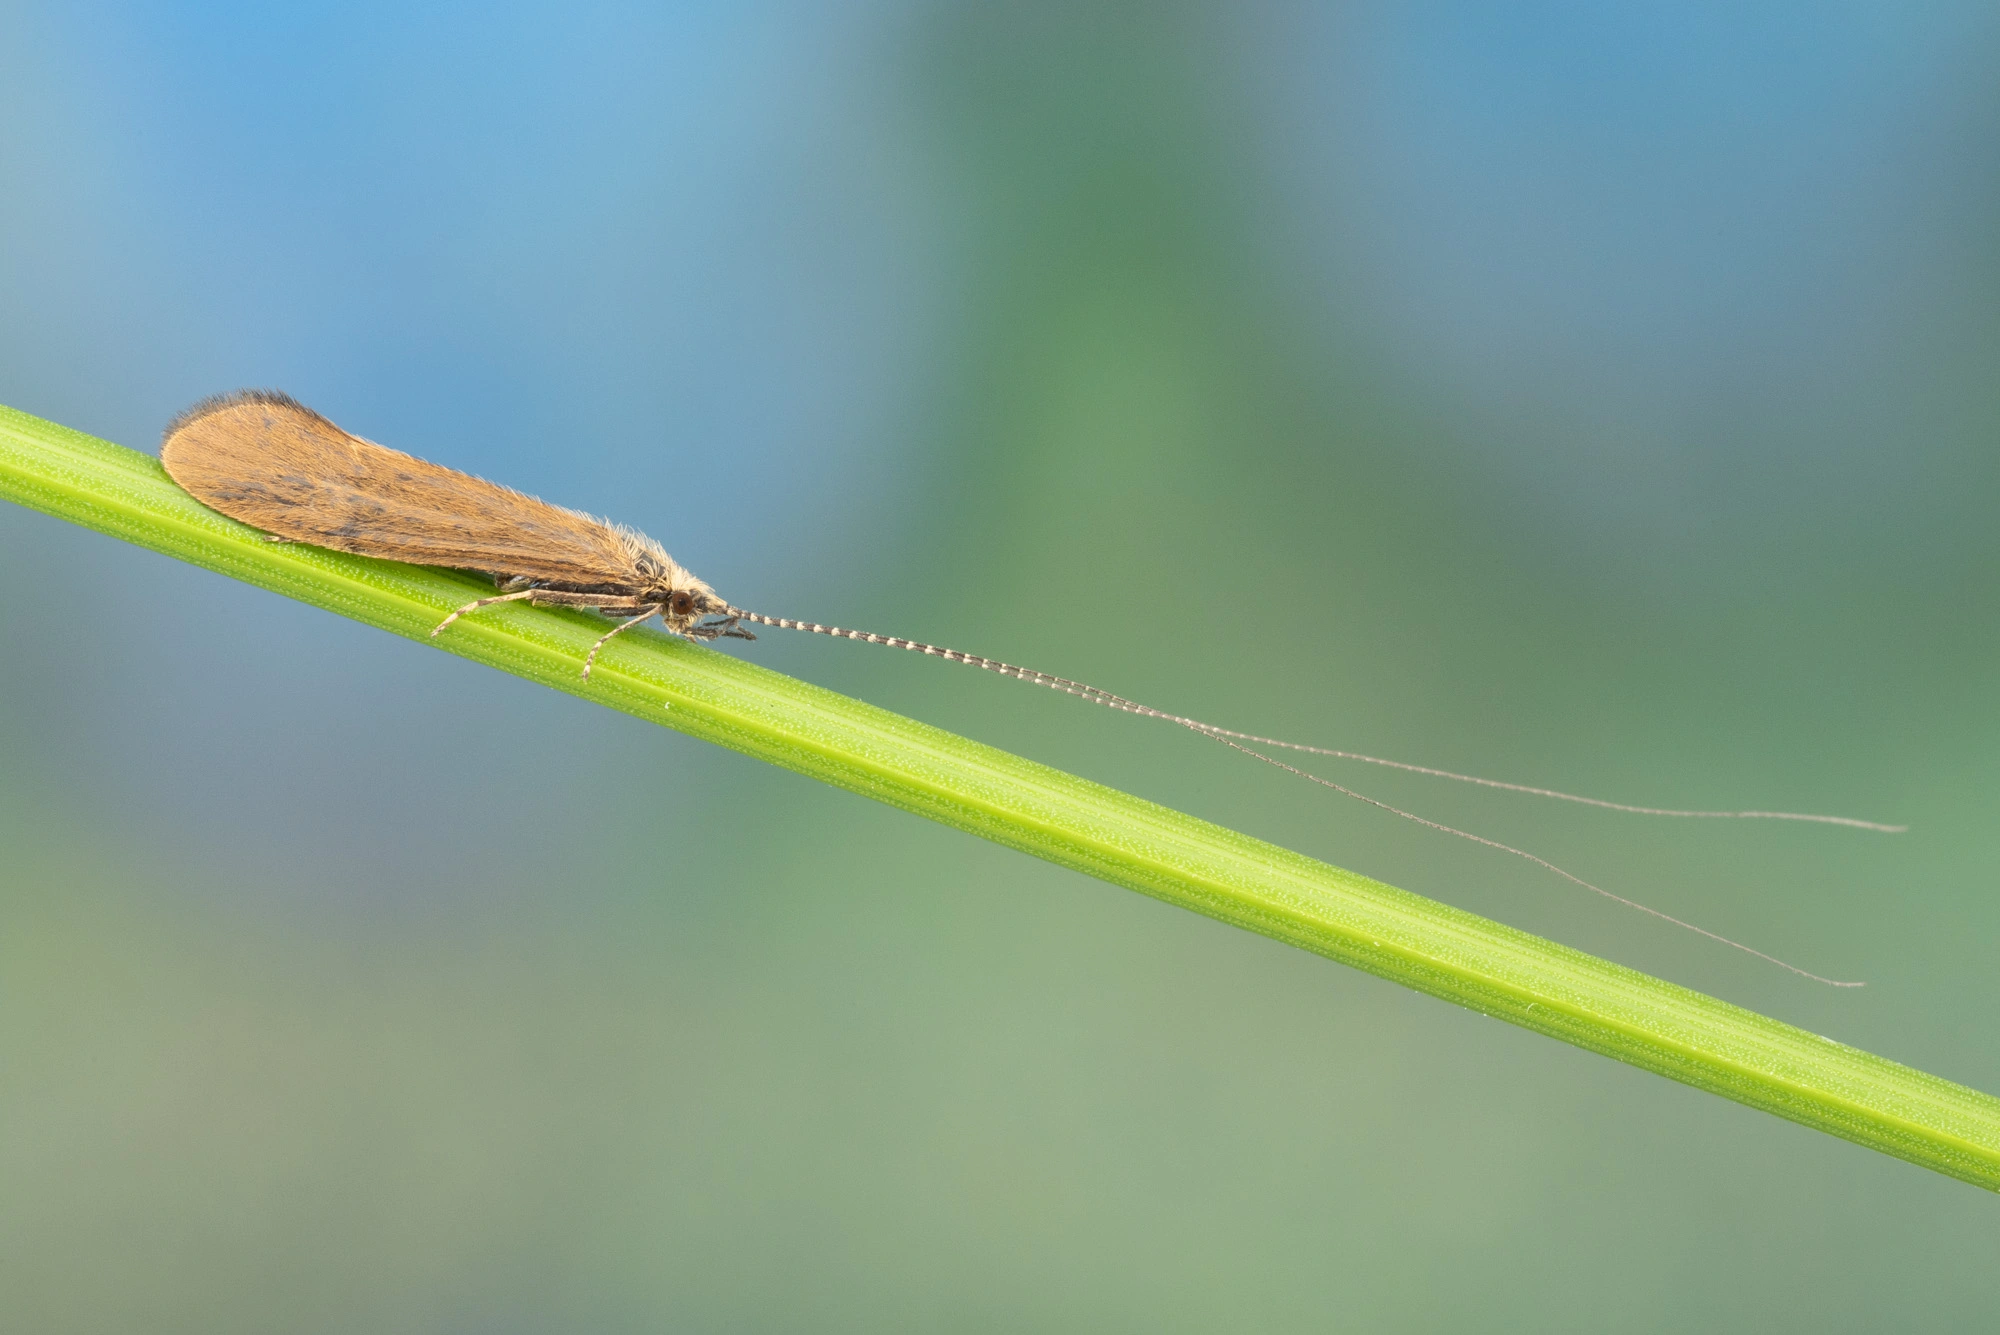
682,603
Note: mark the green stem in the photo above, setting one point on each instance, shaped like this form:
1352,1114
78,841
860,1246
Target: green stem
1421,944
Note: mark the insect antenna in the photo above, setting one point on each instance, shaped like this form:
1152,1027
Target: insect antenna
1239,741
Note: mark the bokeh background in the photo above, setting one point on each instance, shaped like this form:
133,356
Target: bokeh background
1601,397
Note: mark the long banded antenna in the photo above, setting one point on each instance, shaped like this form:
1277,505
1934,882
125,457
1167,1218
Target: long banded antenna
1237,740
1224,734
1540,862
1102,697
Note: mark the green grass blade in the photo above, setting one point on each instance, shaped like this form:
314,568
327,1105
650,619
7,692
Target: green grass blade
1417,942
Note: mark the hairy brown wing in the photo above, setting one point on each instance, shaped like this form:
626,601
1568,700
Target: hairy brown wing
276,465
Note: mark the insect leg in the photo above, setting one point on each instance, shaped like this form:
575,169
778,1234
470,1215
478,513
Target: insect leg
591,657
475,605
729,628
609,603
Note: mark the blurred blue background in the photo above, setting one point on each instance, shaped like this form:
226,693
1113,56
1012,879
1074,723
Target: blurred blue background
1594,397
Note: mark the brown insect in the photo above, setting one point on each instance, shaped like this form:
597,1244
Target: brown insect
277,465
262,457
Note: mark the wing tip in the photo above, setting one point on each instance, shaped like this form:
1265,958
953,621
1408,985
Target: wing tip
236,398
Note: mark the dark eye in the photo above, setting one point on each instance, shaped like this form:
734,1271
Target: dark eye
682,603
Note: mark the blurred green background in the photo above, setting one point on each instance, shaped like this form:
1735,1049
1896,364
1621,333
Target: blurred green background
1595,398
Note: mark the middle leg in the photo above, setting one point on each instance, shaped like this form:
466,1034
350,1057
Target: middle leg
591,657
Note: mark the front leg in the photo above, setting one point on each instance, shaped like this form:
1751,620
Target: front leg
730,628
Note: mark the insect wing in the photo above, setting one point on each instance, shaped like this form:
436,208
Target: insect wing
280,467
